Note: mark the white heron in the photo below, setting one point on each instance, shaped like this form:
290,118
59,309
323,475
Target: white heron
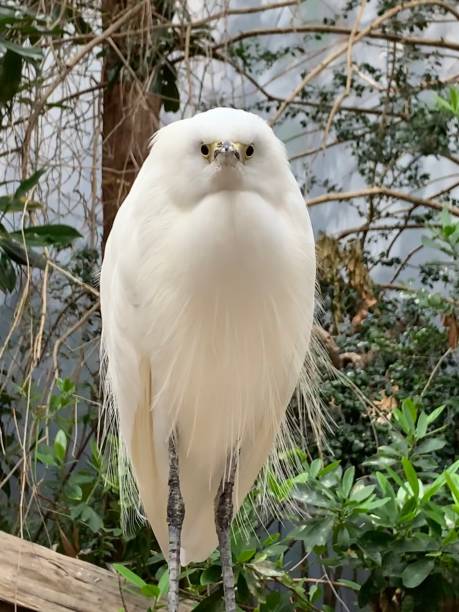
207,298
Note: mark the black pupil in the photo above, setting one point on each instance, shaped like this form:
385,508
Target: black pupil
205,150
249,151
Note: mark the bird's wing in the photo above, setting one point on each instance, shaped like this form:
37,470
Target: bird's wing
127,380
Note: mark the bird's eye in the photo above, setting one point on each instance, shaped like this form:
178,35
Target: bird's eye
249,151
204,150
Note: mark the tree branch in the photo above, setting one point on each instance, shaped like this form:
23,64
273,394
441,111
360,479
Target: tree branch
39,105
342,48
384,191
340,30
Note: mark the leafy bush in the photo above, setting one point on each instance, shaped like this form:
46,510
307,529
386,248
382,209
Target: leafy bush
398,524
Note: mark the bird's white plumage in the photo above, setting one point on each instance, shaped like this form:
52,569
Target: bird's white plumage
207,296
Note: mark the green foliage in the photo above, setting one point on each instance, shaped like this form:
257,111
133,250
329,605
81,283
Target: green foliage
16,246
450,104
20,30
399,522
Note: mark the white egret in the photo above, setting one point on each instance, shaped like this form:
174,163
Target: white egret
207,297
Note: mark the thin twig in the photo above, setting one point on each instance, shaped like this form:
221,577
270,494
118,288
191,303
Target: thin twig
435,370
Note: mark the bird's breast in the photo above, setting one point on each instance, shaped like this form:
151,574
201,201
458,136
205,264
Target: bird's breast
231,241
232,292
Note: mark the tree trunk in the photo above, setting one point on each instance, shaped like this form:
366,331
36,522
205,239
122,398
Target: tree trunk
130,111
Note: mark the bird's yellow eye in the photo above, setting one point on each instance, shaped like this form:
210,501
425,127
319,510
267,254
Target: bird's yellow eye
250,150
204,150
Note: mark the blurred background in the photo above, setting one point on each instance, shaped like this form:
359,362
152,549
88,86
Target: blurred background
365,96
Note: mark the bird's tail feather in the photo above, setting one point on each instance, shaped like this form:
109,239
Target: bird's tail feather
116,465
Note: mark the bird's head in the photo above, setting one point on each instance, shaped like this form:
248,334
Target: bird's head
227,153
220,149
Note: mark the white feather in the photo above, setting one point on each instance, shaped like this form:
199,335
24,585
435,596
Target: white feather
207,295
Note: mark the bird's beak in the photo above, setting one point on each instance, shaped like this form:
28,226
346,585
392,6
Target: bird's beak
226,153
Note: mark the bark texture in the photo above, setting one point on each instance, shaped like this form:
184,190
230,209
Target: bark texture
130,110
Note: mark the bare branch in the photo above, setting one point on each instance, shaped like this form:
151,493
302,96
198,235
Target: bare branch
340,30
342,48
41,102
384,191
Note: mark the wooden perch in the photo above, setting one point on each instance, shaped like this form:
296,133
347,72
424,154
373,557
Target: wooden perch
33,577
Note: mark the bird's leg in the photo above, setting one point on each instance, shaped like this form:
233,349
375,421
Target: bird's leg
223,517
175,516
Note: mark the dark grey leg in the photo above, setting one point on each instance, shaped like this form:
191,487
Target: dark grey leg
175,516
223,518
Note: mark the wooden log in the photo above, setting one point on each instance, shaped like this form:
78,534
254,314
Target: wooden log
33,577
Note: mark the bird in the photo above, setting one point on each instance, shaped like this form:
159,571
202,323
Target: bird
207,292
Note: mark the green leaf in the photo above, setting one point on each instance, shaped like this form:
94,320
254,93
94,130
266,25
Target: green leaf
433,488
444,104
411,476
350,584
384,485
73,491
317,532
277,601
433,416
10,76
46,458
29,53
309,496
359,492
82,478
266,569
453,485
454,98
408,511
163,583
430,445
16,251
348,480
7,274
395,477
389,451
415,573
60,445
416,542
315,468
213,603
375,540
401,420
422,424
279,489
49,235
14,204
150,590
246,555
27,184
331,467
129,575
410,410
211,575
373,504
92,519
315,593
453,468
